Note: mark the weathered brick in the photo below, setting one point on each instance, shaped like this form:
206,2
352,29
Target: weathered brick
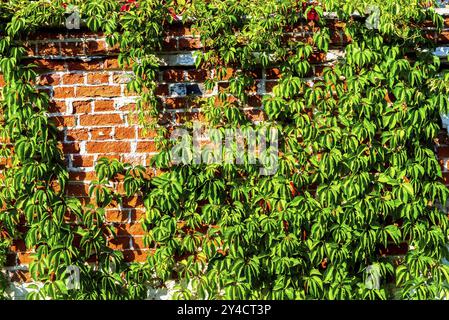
77,134
120,243
97,78
135,255
64,121
98,91
197,75
189,43
49,65
128,229
78,189
104,105
72,48
100,119
169,44
82,161
146,146
71,147
108,147
173,75
48,80
101,133
57,106
176,103
96,47
114,215
82,176
273,73
48,49
124,133
82,106
73,78
63,92
88,65
24,258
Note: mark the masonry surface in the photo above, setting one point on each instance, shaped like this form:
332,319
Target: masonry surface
93,111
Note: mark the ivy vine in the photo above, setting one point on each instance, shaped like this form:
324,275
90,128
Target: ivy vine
356,169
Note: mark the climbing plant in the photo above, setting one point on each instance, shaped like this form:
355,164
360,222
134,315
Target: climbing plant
356,169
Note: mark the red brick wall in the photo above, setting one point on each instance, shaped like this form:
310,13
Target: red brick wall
92,108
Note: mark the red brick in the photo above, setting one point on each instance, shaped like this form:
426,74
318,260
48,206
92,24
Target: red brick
137,215
197,75
21,276
319,71
255,101
97,78
64,121
446,178
169,44
63,92
48,49
19,246
11,260
128,229
173,75
145,133
101,133
49,65
48,80
135,255
189,43
317,57
30,49
162,90
24,258
120,243
182,117
269,85
82,106
273,73
146,146
132,202
108,147
96,47
176,103
72,48
122,133
128,107
120,77
89,65
77,135
133,159
73,78
71,147
178,30
78,189
100,119
111,64
82,176
98,91
104,105
443,152
57,106
116,215
138,243
82,161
